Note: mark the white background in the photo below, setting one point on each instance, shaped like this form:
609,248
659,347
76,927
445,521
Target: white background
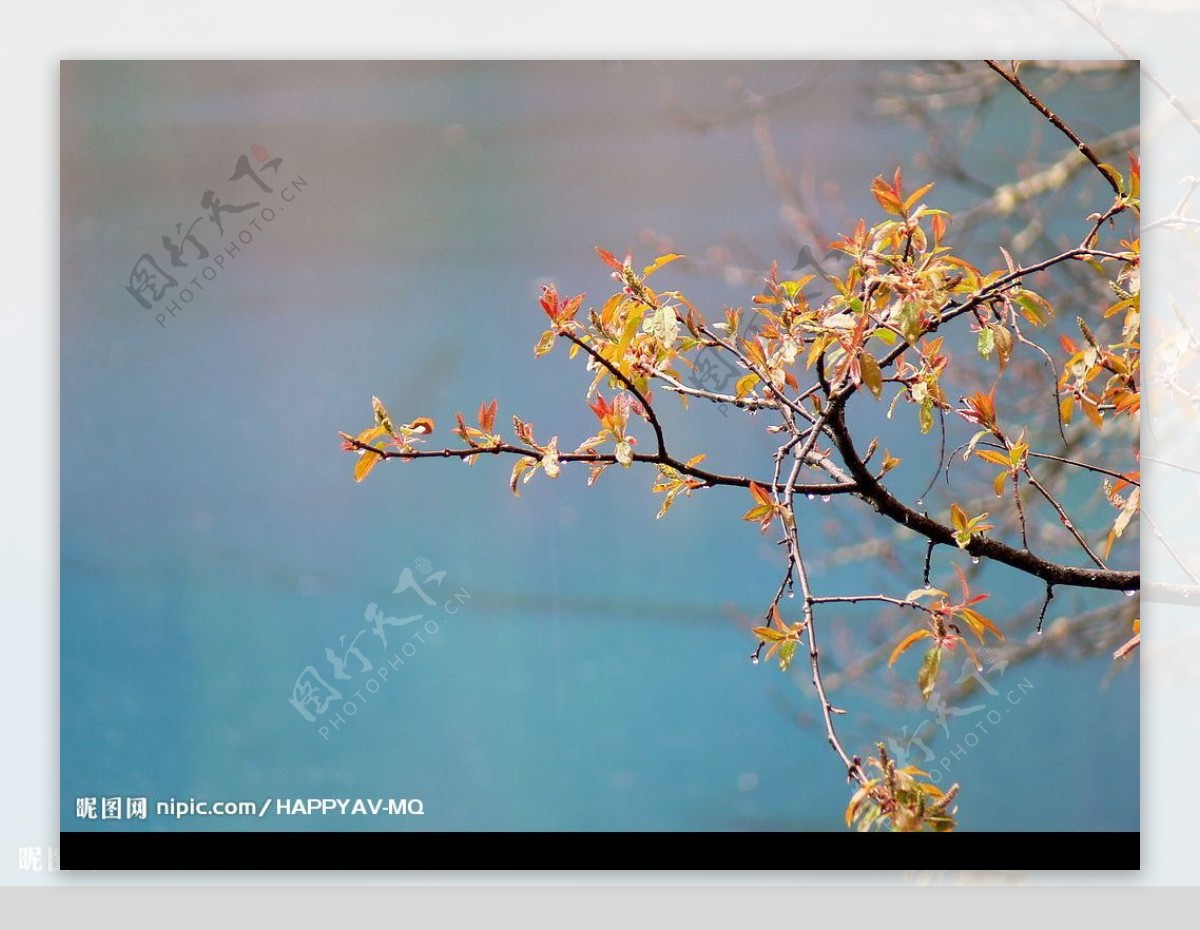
1161,32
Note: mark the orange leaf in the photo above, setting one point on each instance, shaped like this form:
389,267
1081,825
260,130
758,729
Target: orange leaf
939,227
996,458
978,622
886,196
609,259
365,463
370,435
659,262
487,415
916,195
962,580
909,640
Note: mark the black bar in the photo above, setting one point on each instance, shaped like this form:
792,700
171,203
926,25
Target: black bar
370,851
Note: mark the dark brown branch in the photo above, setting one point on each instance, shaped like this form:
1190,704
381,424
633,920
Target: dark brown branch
864,598
1056,121
874,493
1045,606
796,565
632,388
950,310
709,478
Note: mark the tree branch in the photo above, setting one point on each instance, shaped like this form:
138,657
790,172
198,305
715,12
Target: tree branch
709,478
1056,121
873,492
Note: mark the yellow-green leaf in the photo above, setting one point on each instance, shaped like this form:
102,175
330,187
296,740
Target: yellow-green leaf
927,677
986,342
659,262
545,344
381,415
550,463
1113,175
368,436
521,466
925,416
1004,344
745,384
872,374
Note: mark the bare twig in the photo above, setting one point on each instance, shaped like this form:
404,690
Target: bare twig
1056,121
1064,518
1158,534
1094,21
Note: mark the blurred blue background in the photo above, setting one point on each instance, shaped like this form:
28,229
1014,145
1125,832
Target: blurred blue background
214,544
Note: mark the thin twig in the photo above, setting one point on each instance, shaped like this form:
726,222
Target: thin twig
629,385
1128,647
596,458
1045,606
1064,519
861,598
1056,121
1020,510
1074,462
1153,78
1158,534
